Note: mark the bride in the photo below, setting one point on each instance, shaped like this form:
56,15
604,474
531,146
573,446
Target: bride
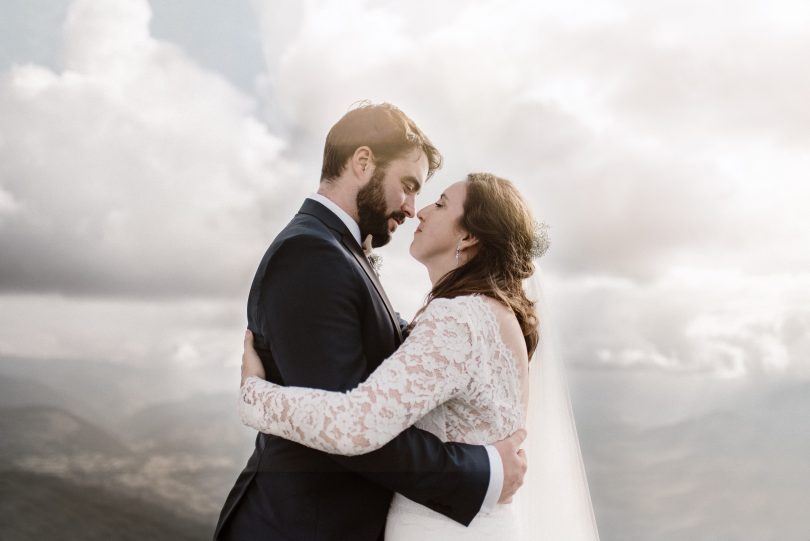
462,374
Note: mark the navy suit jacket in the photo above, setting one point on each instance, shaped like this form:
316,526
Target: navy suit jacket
321,319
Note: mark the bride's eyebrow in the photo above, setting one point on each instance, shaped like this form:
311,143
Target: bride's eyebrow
444,196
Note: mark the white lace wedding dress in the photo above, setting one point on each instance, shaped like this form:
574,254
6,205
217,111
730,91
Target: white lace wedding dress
454,376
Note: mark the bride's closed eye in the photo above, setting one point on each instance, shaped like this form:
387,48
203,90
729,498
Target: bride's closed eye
438,205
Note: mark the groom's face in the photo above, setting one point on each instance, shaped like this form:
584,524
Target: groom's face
389,197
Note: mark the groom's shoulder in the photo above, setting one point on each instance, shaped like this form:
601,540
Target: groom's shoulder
303,238
304,228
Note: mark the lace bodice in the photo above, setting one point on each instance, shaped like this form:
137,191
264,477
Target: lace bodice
454,376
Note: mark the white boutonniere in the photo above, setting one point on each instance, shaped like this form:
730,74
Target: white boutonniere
375,260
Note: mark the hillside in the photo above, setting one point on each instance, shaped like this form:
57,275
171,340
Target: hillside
34,507
720,474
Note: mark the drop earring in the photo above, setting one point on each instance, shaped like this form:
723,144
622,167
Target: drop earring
458,253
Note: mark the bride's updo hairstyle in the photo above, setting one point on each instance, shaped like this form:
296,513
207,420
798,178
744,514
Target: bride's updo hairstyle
498,216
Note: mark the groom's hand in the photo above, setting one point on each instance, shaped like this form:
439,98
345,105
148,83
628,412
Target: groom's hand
514,464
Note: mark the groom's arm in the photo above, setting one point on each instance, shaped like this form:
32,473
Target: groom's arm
312,317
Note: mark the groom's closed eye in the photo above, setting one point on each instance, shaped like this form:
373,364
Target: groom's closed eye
411,185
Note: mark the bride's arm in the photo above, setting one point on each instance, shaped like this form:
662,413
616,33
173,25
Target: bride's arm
430,367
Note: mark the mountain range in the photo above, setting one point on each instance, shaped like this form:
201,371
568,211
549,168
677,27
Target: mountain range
161,469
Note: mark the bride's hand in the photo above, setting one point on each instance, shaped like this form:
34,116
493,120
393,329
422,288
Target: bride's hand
251,363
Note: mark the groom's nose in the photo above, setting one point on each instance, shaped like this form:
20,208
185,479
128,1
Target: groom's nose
409,206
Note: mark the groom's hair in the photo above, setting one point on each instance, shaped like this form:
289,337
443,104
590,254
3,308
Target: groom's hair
382,127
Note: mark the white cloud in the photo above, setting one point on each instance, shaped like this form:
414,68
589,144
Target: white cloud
560,100
651,138
645,136
722,323
195,343
132,167
8,205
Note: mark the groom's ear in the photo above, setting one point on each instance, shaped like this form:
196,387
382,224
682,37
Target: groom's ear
362,163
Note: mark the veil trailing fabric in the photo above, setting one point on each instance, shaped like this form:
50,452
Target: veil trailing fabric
554,502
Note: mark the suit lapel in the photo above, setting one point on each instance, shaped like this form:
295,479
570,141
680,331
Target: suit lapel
357,252
325,215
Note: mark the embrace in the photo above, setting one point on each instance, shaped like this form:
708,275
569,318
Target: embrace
372,428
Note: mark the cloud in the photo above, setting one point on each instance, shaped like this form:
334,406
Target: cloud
719,323
564,102
197,343
647,139
661,147
133,164
694,81
124,173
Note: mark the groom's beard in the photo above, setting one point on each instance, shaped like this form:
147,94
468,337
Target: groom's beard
371,208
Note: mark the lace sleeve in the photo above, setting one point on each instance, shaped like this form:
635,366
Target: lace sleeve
430,367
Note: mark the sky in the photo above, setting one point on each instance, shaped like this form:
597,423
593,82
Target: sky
149,152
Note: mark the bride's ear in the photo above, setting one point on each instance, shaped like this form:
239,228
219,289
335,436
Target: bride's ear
468,241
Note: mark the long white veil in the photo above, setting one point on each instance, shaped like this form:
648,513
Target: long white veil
554,502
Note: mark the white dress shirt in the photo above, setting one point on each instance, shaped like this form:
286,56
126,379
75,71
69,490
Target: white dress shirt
495,465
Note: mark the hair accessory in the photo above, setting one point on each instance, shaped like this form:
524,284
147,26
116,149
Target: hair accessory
540,240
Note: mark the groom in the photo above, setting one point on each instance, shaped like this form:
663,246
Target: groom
321,319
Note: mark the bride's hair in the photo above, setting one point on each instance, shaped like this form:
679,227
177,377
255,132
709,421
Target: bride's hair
498,216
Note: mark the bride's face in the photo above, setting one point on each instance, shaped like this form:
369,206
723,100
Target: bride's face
439,228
